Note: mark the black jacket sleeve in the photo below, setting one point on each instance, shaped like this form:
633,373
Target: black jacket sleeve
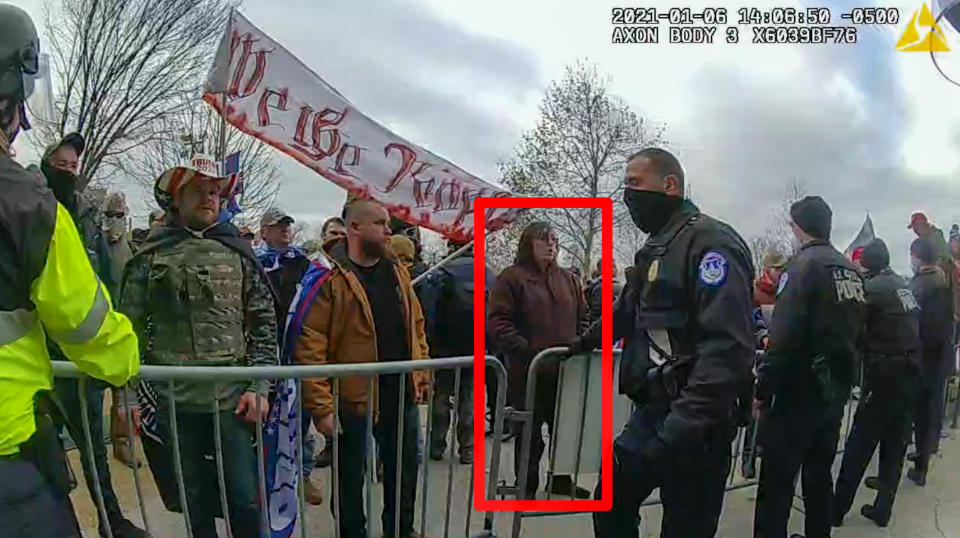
787,329
723,344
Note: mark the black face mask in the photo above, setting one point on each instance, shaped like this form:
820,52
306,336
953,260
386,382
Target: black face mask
650,210
63,184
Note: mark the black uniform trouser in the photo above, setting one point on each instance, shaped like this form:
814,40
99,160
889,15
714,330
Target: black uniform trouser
691,482
799,435
883,417
29,505
67,391
929,411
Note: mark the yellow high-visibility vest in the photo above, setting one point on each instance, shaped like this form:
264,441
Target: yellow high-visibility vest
66,301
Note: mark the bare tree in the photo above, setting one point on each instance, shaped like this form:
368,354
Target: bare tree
579,147
121,67
778,236
194,128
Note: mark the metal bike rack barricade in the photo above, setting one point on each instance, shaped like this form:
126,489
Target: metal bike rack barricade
575,435
218,376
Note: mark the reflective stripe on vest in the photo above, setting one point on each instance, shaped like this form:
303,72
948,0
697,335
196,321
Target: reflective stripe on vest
15,324
90,325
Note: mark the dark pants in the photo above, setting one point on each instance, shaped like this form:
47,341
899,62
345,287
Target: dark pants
352,453
29,506
443,407
691,482
67,391
798,435
196,443
544,406
929,411
883,417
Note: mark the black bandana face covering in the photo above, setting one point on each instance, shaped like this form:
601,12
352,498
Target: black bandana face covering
650,210
63,184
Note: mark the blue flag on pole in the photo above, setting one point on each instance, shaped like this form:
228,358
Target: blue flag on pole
282,428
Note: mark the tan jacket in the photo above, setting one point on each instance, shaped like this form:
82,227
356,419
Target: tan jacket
339,329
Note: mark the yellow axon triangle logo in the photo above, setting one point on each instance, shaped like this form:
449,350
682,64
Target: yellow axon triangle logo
922,34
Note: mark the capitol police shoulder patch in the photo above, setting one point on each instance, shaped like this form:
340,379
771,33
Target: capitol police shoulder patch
713,269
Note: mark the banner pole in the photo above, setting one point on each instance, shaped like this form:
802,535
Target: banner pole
443,262
222,131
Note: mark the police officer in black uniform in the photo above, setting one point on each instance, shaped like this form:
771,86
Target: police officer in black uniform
686,319
890,346
930,287
806,374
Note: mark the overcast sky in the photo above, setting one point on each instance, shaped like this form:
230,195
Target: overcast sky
867,128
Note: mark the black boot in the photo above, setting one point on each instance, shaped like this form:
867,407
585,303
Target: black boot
123,528
563,485
872,482
870,512
919,477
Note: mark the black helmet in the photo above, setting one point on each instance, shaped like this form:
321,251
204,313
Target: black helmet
19,53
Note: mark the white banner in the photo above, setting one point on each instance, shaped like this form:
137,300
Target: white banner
274,97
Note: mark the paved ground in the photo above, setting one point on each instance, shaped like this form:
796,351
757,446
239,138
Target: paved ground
930,512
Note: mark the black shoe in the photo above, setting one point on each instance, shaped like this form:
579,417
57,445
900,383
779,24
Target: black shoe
466,456
797,536
872,482
124,529
564,486
325,458
870,512
837,519
437,454
913,457
919,477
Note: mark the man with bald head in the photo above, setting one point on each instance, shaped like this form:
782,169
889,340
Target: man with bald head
367,311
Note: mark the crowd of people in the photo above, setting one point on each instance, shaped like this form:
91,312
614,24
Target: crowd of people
692,316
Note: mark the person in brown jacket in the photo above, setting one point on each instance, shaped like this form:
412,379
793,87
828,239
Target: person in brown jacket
367,311
535,304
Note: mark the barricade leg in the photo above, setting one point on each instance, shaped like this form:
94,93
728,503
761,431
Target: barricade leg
133,450
450,467
499,404
431,403
336,469
368,455
177,463
261,470
301,511
91,466
218,451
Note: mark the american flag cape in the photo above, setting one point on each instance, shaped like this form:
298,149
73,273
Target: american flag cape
282,428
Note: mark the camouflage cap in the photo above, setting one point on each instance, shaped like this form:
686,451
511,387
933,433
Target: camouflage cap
274,216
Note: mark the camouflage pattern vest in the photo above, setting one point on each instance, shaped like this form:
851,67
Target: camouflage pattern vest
198,318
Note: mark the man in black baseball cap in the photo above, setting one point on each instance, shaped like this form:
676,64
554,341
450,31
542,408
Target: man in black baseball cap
60,165
808,372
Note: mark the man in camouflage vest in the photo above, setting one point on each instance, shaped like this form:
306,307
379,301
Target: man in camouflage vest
196,296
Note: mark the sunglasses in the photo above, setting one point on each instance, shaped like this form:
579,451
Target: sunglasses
114,215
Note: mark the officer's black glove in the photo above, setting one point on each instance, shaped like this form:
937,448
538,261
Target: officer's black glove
579,346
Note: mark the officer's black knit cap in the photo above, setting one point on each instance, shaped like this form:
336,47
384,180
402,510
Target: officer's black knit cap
876,256
813,216
924,250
